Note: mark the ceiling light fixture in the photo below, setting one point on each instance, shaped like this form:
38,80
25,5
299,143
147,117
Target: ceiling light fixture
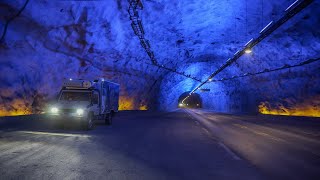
248,51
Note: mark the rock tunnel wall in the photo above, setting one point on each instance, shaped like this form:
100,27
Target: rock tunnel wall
53,40
292,91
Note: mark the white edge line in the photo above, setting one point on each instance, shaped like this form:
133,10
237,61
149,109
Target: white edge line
234,156
229,151
206,131
53,134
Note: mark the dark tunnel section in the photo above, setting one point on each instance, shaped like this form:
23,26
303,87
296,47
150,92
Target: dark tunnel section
194,100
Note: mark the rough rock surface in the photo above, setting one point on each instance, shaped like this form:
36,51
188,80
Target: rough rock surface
53,40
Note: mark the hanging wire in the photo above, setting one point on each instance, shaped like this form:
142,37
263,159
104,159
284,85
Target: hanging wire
285,66
137,26
291,11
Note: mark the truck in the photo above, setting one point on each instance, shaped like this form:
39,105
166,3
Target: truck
86,102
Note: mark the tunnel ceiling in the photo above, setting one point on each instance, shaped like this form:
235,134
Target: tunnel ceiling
53,40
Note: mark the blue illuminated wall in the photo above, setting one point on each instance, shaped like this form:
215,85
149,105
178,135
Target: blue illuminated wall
53,40
295,42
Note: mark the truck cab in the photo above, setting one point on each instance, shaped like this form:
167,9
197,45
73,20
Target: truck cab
86,102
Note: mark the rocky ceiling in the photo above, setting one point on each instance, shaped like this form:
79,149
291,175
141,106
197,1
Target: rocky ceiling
53,40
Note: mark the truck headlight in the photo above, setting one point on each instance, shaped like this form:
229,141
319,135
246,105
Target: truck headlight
80,112
54,110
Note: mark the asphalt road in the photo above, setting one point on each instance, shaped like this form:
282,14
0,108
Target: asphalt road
139,145
280,147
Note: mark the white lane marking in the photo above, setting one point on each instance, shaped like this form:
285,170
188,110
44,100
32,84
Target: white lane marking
233,155
53,134
229,151
275,138
206,131
259,133
263,134
310,133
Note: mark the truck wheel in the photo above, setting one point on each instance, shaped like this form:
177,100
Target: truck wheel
108,120
89,124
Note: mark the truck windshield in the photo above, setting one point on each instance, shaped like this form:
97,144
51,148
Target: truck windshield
75,96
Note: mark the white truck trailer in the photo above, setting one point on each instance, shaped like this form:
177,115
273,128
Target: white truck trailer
86,102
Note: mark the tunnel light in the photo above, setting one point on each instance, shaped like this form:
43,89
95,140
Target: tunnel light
267,26
249,42
197,104
70,79
180,104
291,5
210,79
248,51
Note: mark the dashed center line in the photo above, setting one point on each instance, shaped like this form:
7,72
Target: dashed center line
259,133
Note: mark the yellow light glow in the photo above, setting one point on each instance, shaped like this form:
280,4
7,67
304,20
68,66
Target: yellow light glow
143,107
248,51
126,103
17,107
310,107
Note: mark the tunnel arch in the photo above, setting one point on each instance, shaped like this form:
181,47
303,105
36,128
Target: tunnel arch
194,100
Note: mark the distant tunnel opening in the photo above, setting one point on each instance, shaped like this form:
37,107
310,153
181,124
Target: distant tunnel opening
194,101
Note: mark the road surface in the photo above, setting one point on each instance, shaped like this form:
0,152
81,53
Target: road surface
184,144
139,145
281,147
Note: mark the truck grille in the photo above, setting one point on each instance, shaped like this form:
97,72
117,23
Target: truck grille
67,111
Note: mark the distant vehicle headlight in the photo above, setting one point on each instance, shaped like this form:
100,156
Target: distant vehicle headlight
80,112
54,110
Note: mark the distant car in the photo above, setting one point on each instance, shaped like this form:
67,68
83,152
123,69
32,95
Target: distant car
85,101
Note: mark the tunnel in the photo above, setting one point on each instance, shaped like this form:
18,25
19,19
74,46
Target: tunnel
189,101
254,58
167,89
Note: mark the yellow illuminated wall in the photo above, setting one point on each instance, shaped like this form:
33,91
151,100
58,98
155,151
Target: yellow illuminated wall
23,107
15,108
143,107
126,103
308,107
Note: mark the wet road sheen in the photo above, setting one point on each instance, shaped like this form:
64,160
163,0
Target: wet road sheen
139,145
